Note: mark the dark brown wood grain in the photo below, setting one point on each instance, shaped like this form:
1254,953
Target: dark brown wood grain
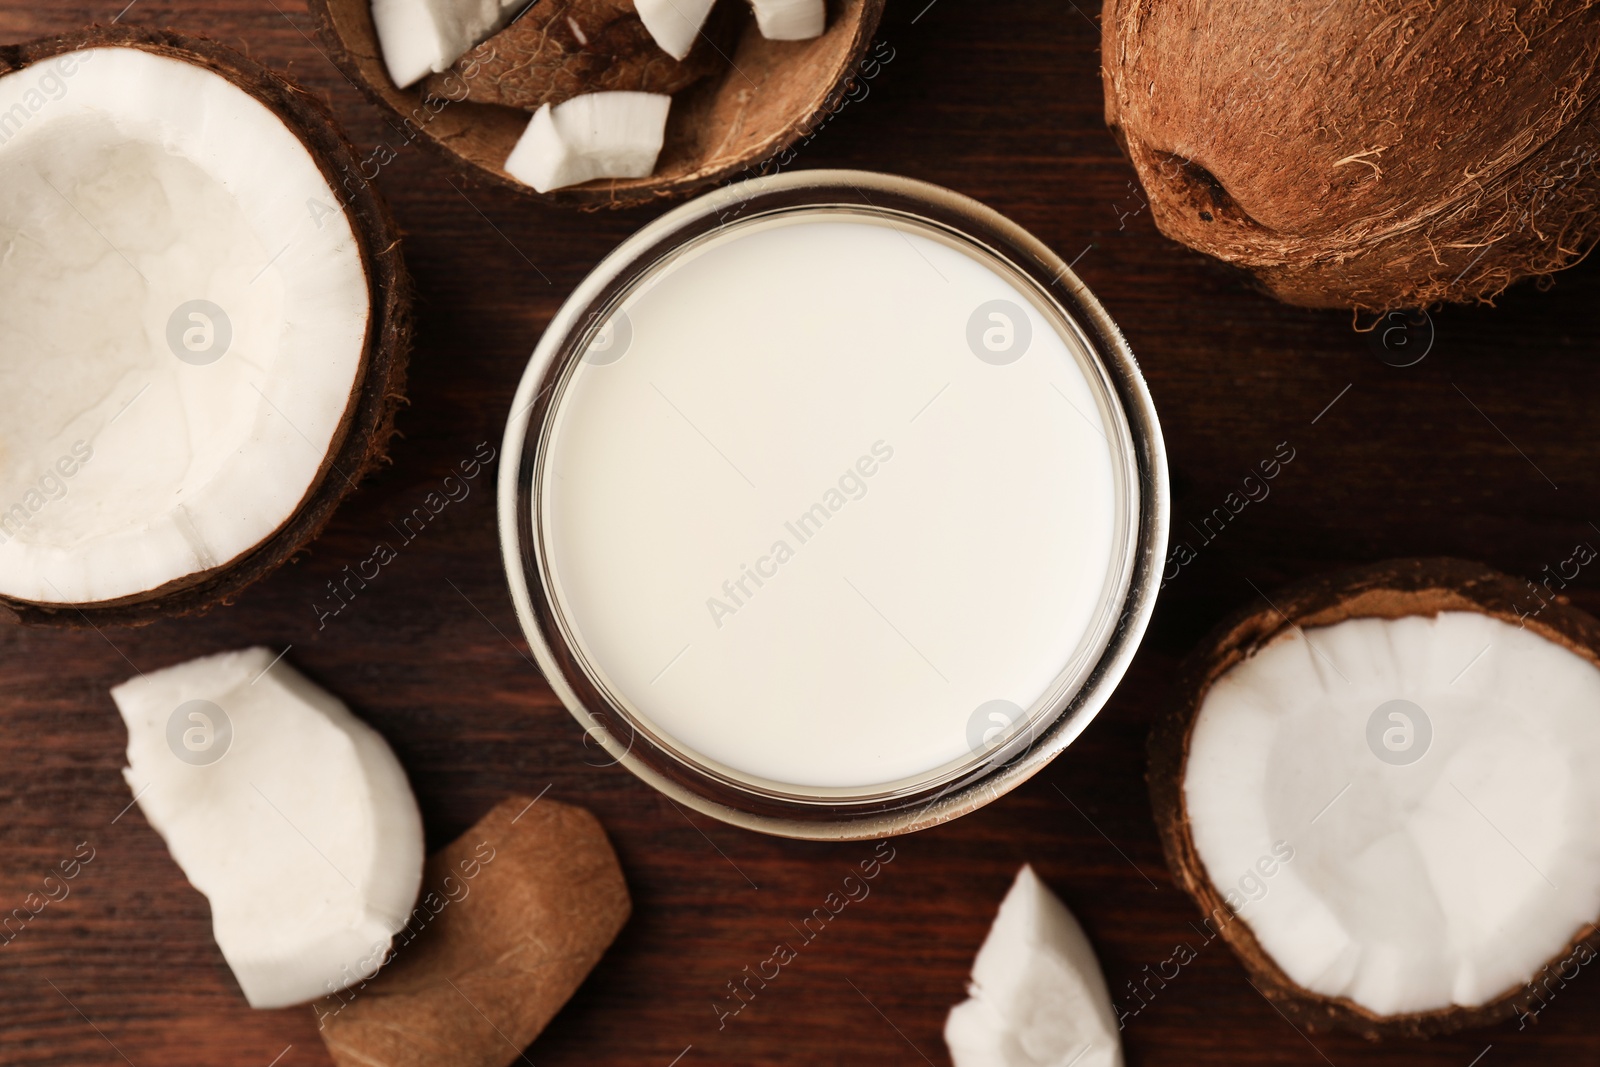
1483,450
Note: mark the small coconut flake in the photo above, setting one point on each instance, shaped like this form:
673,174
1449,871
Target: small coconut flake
790,20
1037,997
1433,776
598,135
422,37
674,23
287,812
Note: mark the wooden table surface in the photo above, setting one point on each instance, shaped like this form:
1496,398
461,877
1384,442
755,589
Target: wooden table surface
1483,450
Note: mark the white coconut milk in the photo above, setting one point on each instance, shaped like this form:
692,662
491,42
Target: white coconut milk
831,501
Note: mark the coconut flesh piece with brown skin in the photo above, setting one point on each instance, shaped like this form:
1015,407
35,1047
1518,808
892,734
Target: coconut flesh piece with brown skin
183,331
565,48
422,37
597,135
1357,155
675,24
790,20
1391,786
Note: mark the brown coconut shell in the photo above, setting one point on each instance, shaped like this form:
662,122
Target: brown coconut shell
1364,155
561,49
1388,590
360,443
736,123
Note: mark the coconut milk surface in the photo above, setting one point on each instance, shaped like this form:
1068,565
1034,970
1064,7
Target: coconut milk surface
830,502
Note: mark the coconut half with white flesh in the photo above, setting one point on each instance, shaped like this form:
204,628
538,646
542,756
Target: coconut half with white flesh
203,324
1379,787
597,135
288,813
1037,997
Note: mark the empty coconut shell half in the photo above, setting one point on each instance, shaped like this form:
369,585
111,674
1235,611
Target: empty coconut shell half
1358,155
1379,788
739,99
203,330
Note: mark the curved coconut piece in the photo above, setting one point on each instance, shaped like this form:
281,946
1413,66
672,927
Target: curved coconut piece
1351,155
351,312
292,816
761,102
1422,589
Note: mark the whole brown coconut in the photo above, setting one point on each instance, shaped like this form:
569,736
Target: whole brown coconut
367,424
1389,590
1372,155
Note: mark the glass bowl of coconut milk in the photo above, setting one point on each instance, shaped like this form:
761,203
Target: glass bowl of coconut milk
834,505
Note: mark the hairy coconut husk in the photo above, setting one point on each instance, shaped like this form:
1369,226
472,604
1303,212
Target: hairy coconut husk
1389,590
565,48
1376,156
732,125
361,442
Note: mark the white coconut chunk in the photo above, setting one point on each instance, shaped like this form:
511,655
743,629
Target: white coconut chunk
674,23
598,135
979,1036
422,37
790,20
1443,847
291,815
183,311
1037,997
